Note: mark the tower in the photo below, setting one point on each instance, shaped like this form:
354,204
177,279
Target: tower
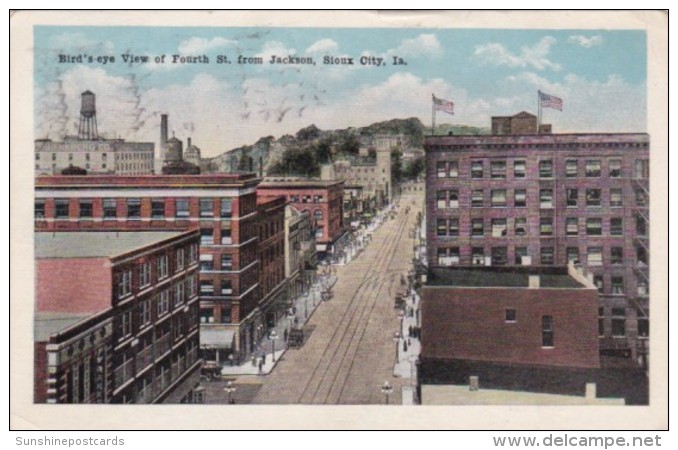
88,117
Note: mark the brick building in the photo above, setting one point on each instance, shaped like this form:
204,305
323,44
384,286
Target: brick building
223,207
545,200
300,254
116,317
322,199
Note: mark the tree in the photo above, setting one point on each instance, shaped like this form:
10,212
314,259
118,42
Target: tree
414,169
396,166
351,145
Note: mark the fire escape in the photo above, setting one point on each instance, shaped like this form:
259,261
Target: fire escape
642,269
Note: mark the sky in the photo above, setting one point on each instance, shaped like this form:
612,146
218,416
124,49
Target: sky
601,76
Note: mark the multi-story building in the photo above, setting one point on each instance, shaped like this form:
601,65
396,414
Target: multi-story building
223,207
271,248
116,317
323,200
300,257
547,199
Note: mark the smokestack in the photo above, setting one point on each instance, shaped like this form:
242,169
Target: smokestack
261,167
189,143
163,130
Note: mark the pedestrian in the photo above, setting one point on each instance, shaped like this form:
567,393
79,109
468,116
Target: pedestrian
263,358
254,361
285,335
261,366
409,330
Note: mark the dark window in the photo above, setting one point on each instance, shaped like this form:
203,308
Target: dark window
520,253
498,169
520,226
572,254
593,168
546,198
61,208
617,285
546,226
572,226
206,207
615,168
453,227
641,197
110,208
478,256
207,236
477,198
85,209
643,323
599,283
226,233
594,226
616,197
617,255
519,169
226,287
477,227
182,208
616,226
133,208
547,255
441,169
157,208
593,197
226,262
641,226
547,331
520,198
618,327
442,227
572,196
571,168
510,315
39,209
499,256
476,169
227,207
546,169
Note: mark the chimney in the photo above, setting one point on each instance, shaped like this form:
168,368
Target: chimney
533,282
189,143
163,130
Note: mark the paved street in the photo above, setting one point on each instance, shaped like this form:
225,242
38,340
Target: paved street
351,351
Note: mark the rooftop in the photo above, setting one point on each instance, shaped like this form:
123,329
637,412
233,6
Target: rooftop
539,139
145,181
272,183
516,277
50,323
95,244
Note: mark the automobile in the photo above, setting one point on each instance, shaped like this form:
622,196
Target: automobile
210,370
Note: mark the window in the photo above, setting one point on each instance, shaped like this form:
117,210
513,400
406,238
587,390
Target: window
448,256
181,208
442,227
179,293
453,169
476,169
477,227
226,237
478,256
572,197
206,207
520,255
593,197
498,227
617,255
110,208
157,208
191,285
615,168
594,226
225,315
641,226
519,169
643,323
510,315
163,302
441,169
546,226
498,197
594,256
453,198
124,283
477,198
39,209
206,262
601,321
125,324
192,253
226,287
572,226
453,227
617,285
498,169
227,207
318,215
571,168
163,266
61,208
85,207
616,226
546,169
618,322
599,283
180,259
641,197
546,255
133,208
207,236
145,312
572,254
320,198
593,168
546,198
499,256
520,226
641,168
206,287
441,199
145,274
520,198
616,198
547,331
226,262
53,156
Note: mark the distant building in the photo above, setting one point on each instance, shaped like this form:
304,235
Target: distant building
522,198
300,253
172,153
530,333
192,154
323,200
116,317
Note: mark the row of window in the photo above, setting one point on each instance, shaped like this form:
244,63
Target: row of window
498,256
307,198
63,208
498,168
618,320
449,198
121,156
547,332
141,276
499,226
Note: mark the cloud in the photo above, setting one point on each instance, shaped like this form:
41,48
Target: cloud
78,41
197,45
274,48
422,45
584,41
323,46
534,56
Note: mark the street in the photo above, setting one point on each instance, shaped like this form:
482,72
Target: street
351,351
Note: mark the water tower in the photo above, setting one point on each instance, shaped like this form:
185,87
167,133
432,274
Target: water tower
88,117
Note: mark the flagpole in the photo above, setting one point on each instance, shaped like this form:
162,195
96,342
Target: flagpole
538,111
433,117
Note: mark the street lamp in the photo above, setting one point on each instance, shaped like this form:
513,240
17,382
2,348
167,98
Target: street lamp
386,389
229,389
273,337
396,339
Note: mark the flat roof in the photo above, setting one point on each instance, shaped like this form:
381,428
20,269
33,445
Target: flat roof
539,139
50,323
95,244
500,277
146,181
298,183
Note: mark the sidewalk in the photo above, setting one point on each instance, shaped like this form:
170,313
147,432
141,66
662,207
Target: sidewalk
405,366
304,307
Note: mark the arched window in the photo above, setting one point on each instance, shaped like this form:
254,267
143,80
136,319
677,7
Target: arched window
318,215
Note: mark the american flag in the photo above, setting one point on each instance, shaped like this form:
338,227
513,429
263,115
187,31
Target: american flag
443,105
550,101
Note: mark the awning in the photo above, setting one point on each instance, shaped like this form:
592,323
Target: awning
216,337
